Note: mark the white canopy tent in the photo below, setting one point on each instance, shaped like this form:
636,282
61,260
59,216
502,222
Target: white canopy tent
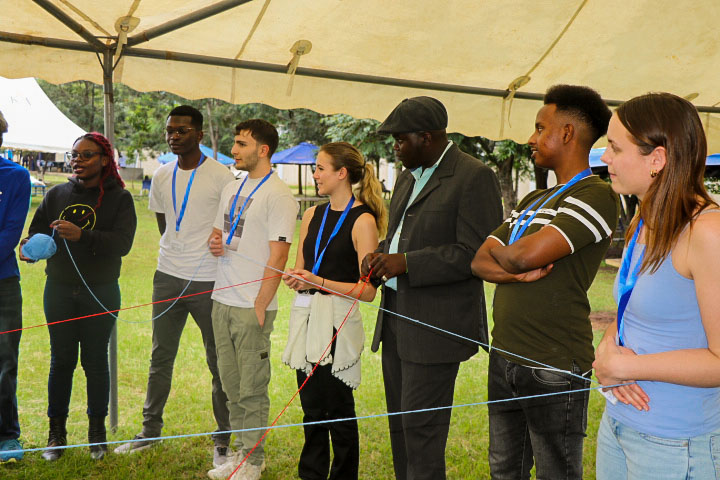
34,122
489,61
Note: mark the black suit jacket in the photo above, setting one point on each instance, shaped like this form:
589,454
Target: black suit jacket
443,228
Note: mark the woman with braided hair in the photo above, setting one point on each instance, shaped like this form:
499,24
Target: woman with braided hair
92,220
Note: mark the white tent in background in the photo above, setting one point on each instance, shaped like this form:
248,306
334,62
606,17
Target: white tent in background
34,122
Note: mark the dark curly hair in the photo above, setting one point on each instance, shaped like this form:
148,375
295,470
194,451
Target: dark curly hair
261,131
110,169
196,118
582,103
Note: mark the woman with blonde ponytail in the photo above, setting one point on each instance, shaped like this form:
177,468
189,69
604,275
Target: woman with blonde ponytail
334,238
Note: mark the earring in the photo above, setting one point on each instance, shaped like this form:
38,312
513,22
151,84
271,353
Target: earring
653,173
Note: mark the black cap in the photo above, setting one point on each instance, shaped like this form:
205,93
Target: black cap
417,114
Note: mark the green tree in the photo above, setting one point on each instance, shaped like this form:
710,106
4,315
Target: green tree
81,101
361,132
510,160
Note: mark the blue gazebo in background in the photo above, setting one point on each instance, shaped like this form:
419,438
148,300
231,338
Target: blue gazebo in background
207,151
302,154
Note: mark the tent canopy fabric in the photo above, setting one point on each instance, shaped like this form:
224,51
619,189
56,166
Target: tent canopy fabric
301,154
34,122
207,151
362,58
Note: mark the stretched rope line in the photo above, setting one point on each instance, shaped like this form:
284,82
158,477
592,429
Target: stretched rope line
197,269
345,295
448,332
341,294
318,422
141,305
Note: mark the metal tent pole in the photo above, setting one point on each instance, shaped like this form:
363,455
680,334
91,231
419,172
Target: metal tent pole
109,116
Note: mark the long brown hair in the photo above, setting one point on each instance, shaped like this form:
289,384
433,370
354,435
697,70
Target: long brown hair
366,186
678,191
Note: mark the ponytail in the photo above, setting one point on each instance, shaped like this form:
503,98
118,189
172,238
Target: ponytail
369,191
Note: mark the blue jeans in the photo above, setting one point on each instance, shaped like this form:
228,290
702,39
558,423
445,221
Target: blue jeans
551,429
90,335
10,319
624,453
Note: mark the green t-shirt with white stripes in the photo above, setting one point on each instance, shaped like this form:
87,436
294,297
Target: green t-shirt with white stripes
548,320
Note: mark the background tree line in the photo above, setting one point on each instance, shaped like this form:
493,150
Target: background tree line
140,124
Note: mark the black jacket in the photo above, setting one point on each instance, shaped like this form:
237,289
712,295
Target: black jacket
442,229
107,233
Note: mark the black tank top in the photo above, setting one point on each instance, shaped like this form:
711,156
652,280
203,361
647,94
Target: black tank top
340,262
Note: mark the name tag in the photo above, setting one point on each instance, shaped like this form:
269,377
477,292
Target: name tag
303,300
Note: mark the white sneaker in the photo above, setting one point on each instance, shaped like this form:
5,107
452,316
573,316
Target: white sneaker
248,472
132,447
226,469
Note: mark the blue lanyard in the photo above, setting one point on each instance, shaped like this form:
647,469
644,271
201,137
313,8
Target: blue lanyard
178,218
319,258
518,230
626,281
236,220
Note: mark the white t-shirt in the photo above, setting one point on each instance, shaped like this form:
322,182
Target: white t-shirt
270,216
181,252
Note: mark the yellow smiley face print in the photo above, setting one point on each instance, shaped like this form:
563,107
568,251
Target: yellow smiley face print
81,215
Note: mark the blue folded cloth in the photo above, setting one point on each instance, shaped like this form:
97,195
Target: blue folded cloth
39,247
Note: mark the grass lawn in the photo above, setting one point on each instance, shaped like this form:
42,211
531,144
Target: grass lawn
189,409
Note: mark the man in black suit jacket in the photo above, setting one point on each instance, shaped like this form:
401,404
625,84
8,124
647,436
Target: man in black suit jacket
444,205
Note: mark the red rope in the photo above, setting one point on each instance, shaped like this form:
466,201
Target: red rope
141,305
287,405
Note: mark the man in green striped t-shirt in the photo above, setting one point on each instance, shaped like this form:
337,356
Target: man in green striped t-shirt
544,258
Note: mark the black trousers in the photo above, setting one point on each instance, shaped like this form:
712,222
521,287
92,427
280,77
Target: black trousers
90,336
417,439
324,397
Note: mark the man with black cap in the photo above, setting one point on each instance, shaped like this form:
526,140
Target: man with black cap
444,206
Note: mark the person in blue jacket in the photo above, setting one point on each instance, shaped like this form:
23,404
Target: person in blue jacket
14,204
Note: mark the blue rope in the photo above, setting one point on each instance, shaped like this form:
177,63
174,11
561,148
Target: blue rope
471,340
114,315
318,422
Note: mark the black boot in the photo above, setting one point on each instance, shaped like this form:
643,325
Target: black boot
56,438
96,434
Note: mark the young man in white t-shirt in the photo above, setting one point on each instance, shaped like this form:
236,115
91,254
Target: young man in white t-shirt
251,237
182,194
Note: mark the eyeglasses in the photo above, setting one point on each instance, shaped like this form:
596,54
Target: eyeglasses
180,131
86,155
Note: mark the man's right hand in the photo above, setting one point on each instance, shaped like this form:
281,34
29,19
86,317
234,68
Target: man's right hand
367,262
216,245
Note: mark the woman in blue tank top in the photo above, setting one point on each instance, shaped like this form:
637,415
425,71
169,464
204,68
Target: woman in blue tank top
665,423
334,238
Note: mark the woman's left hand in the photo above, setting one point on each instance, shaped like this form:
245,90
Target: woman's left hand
608,360
67,230
297,284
